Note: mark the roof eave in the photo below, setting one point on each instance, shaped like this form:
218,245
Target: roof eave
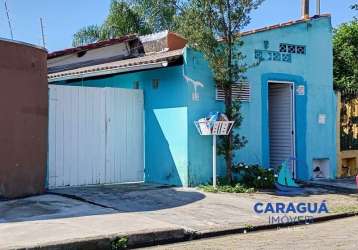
126,69
278,26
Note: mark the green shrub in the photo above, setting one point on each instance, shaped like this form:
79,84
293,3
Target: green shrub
255,176
249,179
236,188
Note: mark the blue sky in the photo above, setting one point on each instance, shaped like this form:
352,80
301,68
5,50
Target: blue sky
62,18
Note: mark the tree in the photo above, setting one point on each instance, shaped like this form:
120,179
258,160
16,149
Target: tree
345,52
86,35
213,27
158,14
122,20
132,16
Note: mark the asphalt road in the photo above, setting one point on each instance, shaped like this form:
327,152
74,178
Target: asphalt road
336,234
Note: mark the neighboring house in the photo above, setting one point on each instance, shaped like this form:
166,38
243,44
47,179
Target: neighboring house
23,120
115,49
102,52
132,119
347,133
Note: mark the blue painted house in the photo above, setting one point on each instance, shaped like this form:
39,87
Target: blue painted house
288,103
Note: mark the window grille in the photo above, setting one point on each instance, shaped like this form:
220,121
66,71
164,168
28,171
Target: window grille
240,91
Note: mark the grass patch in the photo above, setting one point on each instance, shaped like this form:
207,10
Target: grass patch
237,188
249,226
120,243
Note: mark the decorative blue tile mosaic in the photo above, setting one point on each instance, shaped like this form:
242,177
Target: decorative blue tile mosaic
291,48
258,54
283,47
268,55
276,56
287,58
301,50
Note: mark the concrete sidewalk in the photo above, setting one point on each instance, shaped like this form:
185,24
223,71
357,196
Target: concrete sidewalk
88,232
50,220
343,185
147,214
198,211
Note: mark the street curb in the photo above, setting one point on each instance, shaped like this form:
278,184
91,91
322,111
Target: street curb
170,236
266,227
195,235
106,242
333,188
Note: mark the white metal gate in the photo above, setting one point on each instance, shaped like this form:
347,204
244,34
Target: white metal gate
281,125
95,136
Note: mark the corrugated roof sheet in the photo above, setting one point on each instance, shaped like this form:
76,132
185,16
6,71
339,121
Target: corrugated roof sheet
153,58
154,36
91,46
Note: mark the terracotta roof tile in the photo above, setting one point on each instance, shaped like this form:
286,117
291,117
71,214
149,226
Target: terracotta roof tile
282,25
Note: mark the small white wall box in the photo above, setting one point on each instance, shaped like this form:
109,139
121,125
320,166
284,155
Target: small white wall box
320,169
322,119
